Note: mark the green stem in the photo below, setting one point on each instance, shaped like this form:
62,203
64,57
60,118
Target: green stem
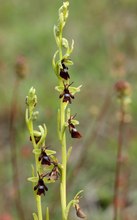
39,208
38,198
64,162
47,213
63,145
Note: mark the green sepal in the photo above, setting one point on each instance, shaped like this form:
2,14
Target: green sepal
54,158
65,43
36,133
34,115
72,47
73,90
43,130
50,152
33,179
69,49
60,167
59,88
54,63
75,122
35,217
68,61
56,34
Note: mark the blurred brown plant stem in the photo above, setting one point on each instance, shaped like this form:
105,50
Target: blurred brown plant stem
123,90
117,195
20,73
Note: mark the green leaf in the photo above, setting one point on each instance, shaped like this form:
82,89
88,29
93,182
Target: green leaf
35,217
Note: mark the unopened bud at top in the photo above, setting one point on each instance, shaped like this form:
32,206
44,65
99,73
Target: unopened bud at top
31,99
21,67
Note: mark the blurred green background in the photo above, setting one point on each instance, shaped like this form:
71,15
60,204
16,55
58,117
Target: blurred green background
105,35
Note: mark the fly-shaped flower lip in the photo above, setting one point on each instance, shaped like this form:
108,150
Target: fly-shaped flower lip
67,92
40,187
44,158
64,71
54,174
72,129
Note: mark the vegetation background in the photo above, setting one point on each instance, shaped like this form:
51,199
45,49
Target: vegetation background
105,35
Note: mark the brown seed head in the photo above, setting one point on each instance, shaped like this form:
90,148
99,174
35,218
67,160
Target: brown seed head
123,88
21,67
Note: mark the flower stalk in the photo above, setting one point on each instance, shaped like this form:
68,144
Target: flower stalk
61,61
30,116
